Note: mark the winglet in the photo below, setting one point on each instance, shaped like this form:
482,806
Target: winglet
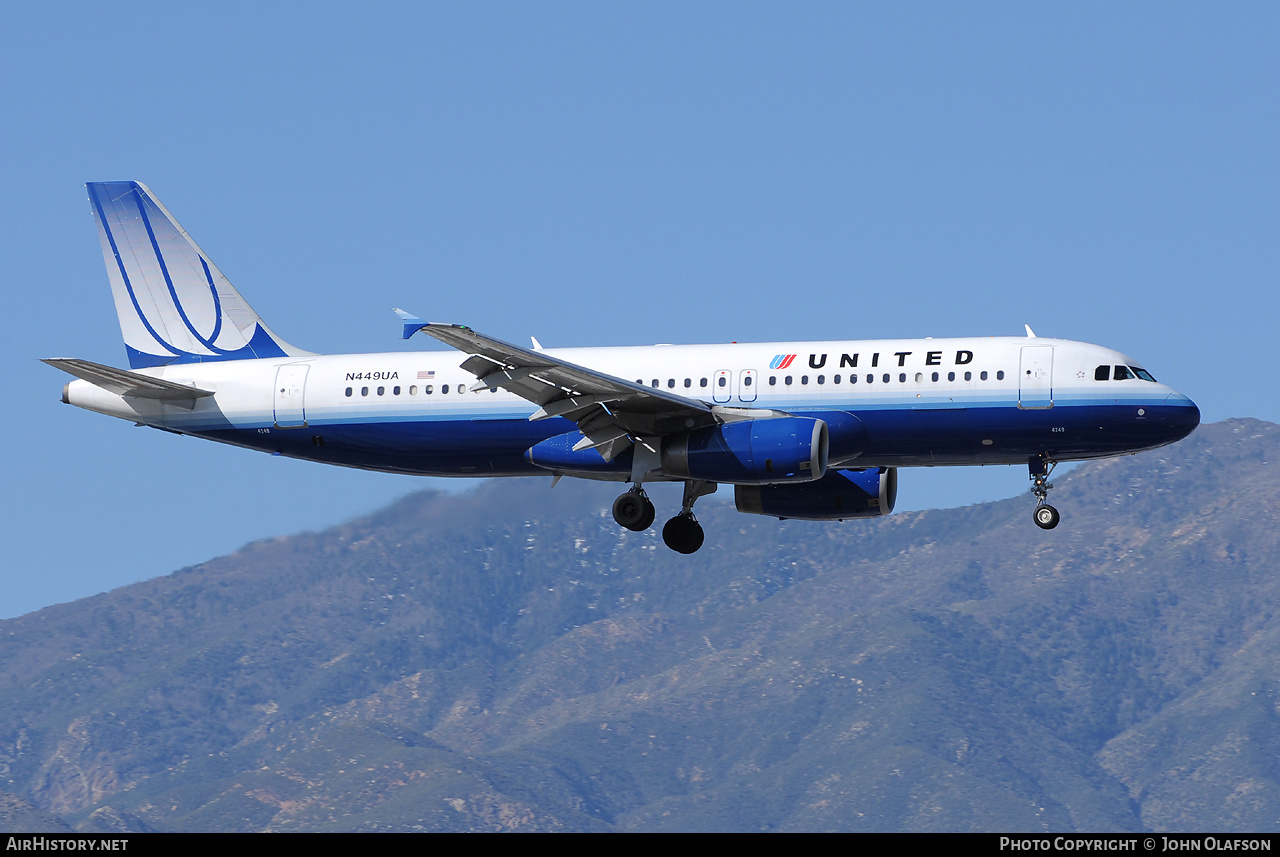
1031,334
537,346
412,324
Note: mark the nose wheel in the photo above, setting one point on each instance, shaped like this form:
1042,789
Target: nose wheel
1045,516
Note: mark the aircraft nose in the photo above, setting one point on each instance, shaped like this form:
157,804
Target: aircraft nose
1184,416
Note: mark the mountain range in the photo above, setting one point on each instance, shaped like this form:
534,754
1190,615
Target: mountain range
509,659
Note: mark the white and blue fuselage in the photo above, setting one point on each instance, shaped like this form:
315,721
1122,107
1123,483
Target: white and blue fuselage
801,429
995,400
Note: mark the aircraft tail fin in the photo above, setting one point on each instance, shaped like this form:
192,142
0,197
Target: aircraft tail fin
174,305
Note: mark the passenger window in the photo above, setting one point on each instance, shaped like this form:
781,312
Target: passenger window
746,381
951,376
395,391
348,392
787,380
428,389
1000,375
444,388
1122,373
364,391
413,391
773,380
870,378
703,382
1101,373
671,383
983,376
822,379
804,379
655,382
835,379
886,377
722,381
935,376
919,377
853,379
968,376
902,377
688,382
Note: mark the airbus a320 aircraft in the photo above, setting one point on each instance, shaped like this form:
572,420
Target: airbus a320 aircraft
812,430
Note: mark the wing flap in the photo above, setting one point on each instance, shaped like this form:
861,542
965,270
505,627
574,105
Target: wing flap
610,411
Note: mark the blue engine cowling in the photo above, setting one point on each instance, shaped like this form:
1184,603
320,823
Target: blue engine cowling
839,495
557,454
750,452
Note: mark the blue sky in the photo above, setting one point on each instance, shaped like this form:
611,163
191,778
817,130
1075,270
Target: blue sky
616,174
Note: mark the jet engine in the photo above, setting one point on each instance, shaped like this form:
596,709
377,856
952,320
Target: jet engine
839,495
752,452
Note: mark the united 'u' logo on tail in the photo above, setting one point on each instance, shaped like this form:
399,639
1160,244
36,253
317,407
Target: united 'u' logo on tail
174,305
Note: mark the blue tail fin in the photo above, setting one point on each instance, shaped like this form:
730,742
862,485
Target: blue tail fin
174,305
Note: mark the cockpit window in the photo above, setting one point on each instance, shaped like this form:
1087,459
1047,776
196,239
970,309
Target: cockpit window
1102,373
1122,373
1143,374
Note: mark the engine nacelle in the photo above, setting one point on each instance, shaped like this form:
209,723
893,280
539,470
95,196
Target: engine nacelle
558,455
750,452
839,495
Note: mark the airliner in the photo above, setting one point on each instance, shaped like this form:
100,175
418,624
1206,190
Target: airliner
809,430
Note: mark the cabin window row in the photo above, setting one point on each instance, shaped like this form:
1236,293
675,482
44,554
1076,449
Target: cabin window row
427,390
688,382
788,380
748,380
885,378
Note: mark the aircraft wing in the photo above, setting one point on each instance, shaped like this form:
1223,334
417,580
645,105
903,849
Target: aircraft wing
610,412
125,383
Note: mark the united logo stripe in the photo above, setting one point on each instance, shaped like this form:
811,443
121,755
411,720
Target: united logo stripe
781,361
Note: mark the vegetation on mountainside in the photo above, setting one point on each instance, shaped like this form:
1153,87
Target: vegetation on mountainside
511,660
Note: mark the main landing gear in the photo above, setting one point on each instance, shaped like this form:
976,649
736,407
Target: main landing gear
634,510
683,534
1045,516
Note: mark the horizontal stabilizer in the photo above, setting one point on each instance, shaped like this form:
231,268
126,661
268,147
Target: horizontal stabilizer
125,383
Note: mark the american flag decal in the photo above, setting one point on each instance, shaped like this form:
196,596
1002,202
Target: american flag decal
426,376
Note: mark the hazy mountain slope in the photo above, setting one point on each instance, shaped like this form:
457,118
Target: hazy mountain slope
512,660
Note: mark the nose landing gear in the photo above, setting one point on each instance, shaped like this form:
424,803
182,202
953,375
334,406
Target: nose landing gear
1045,516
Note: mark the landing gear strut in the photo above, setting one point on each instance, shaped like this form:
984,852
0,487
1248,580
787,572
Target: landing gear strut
683,533
1045,516
634,510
